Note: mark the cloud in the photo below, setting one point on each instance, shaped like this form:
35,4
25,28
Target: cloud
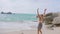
29,6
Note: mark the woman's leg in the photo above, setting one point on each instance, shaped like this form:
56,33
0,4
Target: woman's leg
40,31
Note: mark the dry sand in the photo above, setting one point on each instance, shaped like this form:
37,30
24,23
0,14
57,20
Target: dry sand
33,31
56,31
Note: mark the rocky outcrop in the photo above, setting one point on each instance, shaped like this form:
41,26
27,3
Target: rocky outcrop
6,13
50,18
56,20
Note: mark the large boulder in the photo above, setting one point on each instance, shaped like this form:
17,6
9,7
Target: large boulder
50,17
58,14
56,20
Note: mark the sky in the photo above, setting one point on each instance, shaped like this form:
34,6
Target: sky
29,6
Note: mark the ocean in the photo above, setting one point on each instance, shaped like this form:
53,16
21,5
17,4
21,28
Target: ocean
17,17
17,22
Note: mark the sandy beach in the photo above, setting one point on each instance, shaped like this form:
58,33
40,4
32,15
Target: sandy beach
29,31
56,31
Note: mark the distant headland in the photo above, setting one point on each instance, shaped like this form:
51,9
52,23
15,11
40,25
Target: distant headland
6,12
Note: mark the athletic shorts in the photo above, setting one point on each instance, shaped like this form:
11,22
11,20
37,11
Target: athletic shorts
39,26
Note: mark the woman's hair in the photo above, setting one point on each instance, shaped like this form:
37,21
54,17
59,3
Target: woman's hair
41,15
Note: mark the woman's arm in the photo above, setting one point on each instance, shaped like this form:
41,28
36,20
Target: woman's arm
38,12
44,12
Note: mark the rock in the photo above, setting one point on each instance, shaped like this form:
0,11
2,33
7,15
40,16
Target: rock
56,20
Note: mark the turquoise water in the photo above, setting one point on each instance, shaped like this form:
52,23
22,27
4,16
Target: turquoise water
18,17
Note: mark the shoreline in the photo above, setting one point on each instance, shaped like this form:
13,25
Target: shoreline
24,28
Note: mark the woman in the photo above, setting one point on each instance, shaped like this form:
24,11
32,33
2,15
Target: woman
40,20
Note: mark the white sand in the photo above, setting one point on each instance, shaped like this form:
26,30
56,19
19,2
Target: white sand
56,31
30,31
